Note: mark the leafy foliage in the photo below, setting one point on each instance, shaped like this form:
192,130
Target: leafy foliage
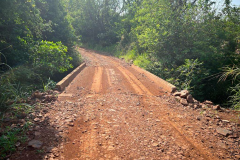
95,21
233,72
190,76
36,42
50,56
174,33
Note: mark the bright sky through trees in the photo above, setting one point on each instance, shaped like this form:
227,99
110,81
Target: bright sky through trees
236,2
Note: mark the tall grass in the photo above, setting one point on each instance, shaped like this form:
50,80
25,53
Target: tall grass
233,72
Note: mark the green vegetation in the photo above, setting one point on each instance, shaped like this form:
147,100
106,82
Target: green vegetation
36,43
10,139
235,90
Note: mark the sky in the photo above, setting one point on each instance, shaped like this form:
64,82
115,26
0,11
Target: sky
236,2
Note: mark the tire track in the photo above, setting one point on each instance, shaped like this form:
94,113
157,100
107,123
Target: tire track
134,82
131,114
182,136
97,80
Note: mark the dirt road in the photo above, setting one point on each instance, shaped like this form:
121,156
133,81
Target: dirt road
125,116
113,111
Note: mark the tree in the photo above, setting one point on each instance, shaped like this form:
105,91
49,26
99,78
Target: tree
95,21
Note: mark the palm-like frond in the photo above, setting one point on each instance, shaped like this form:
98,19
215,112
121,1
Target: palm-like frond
228,71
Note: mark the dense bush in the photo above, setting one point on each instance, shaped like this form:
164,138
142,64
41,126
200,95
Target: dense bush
36,43
234,73
50,57
187,43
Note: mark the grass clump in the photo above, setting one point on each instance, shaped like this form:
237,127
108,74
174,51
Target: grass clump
142,61
11,138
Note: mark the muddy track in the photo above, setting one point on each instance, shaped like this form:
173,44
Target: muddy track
118,112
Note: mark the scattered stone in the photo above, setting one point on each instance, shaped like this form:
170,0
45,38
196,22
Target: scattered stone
225,121
223,131
110,148
208,102
17,144
40,115
234,135
178,98
198,118
37,133
71,124
37,128
35,144
190,98
196,106
36,119
216,117
155,144
204,107
177,94
49,149
191,105
217,107
37,94
195,101
184,93
55,92
222,145
184,102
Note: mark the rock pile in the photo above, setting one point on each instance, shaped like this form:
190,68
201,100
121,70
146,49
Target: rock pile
48,96
186,99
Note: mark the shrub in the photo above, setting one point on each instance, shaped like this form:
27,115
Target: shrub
190,76
142,61
17,84
235,91
76,57
131,55
235,98
50,57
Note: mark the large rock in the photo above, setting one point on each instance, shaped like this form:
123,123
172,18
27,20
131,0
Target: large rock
184,102
177,94
208,102
223,131
35,144
178,98
190,98
37,94
196,106
221,145
184,93
217,107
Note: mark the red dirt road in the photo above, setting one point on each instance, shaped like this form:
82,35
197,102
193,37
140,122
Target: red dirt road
125,116
113,111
